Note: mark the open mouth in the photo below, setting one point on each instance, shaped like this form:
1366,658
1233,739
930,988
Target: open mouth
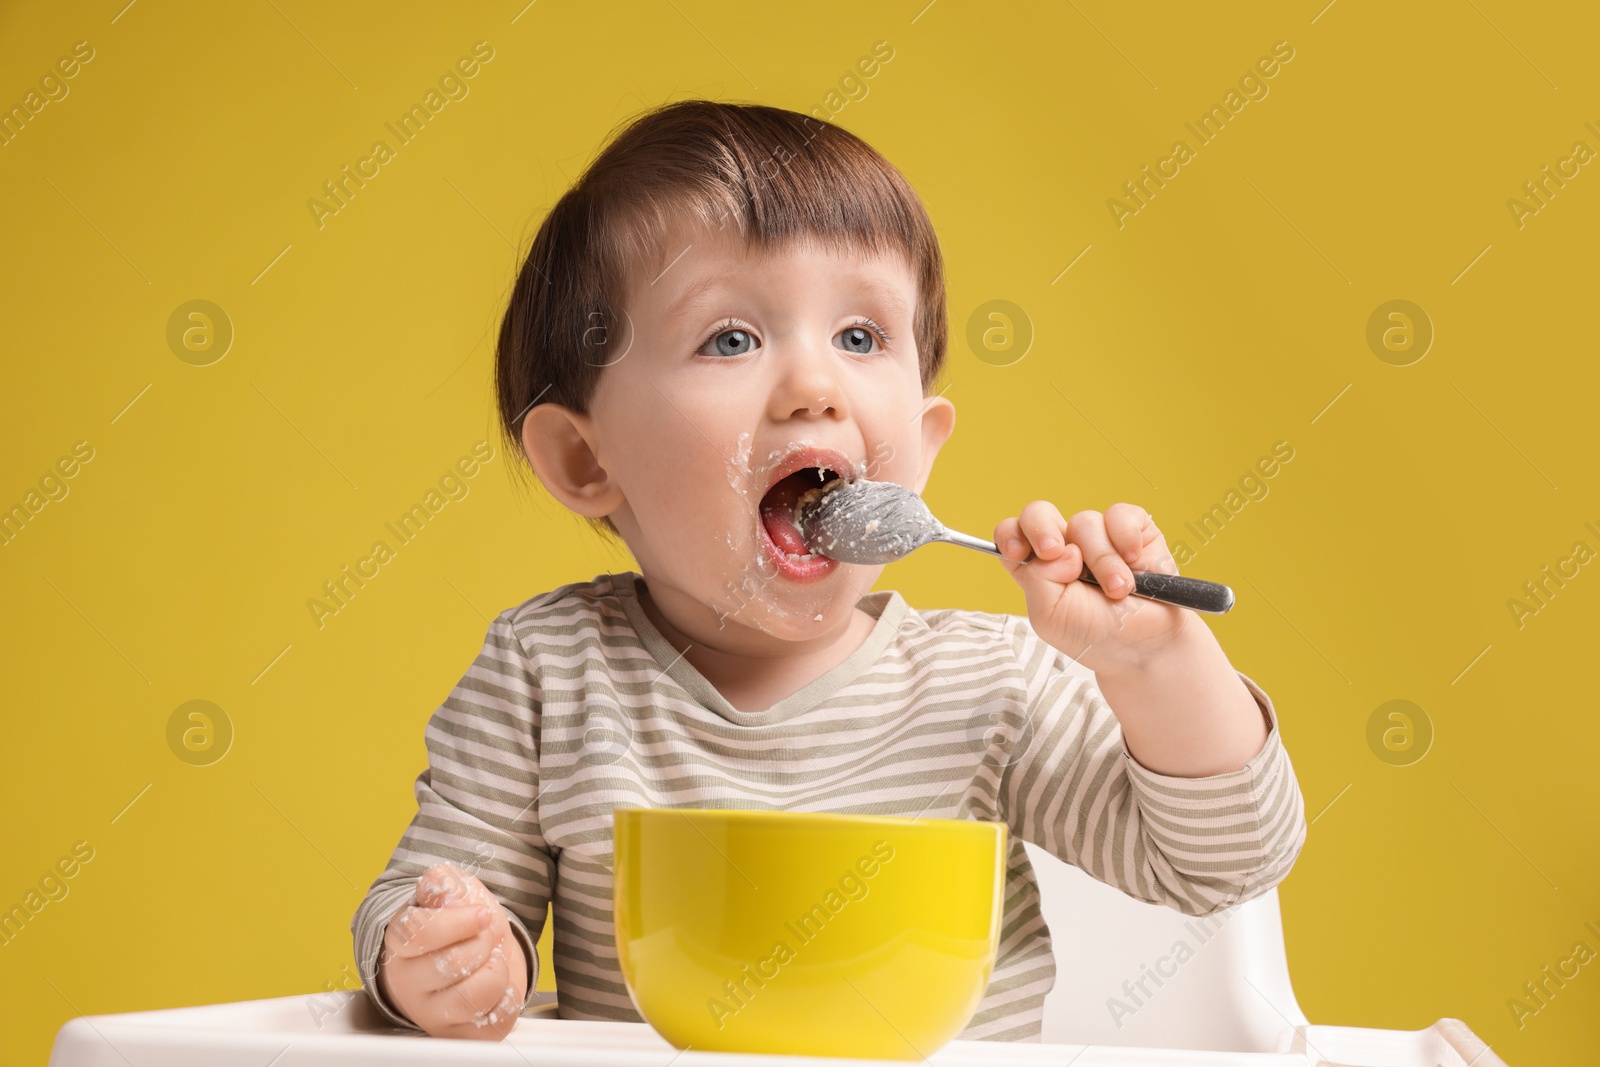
801,476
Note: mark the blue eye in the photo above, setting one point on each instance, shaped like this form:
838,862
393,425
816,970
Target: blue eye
858,338
730,339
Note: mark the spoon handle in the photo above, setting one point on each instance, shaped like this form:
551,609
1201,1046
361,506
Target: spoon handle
1213,598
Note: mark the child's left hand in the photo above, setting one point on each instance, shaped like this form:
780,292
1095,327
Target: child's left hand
1098,626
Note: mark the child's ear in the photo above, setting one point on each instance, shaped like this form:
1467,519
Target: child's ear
938,422
559,444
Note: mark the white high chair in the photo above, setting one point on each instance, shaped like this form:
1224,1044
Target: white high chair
1131,973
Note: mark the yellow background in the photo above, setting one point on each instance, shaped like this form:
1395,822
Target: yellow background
1230,313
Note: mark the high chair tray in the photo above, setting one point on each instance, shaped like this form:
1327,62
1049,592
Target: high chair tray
342,1029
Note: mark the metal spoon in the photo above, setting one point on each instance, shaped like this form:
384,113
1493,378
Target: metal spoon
862,521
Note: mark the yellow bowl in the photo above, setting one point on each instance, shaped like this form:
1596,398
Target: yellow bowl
806,933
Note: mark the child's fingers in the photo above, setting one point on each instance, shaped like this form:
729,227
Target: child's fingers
1130,529
493,1024
1045,528
415,931
1087,529
1008,539
454,964
475,996
510,1006
444,884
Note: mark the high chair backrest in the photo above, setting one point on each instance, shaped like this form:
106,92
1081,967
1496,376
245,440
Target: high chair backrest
1132,973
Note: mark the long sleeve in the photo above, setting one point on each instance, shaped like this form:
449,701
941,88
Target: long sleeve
1194,844
476,807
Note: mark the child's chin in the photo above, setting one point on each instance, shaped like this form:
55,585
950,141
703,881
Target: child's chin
793,612
799,627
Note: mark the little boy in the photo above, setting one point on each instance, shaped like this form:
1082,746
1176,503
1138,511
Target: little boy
734,304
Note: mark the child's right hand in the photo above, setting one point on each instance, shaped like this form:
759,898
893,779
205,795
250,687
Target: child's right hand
452,971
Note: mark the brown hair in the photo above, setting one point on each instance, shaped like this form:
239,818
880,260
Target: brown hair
780,175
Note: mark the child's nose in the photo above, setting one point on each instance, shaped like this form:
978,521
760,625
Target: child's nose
810,385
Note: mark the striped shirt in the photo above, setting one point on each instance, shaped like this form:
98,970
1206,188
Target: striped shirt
577,704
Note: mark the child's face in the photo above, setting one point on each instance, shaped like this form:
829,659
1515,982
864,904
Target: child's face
738,362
